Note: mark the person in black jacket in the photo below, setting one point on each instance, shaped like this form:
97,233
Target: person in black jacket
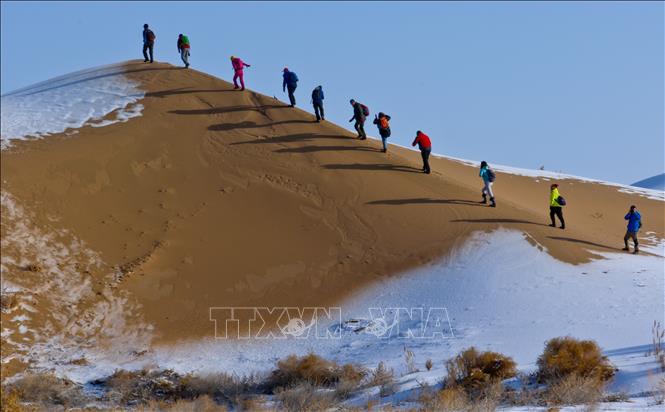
382,122
148,43
359,117
290,82
317,102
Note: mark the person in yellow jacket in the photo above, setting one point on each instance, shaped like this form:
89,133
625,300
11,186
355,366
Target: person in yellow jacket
556,206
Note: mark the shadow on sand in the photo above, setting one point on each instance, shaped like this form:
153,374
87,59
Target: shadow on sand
425,201
516,221
251,125
378,166
584,242
291,138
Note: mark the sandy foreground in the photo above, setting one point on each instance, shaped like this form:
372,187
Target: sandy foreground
215,197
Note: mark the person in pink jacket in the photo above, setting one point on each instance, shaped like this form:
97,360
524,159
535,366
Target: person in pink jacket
238,67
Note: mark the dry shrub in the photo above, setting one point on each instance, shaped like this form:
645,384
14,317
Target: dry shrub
311,369
449,399
47,390
304,397
200,404
574,390
429,364
410,360
478,372
384,378
10,400
8,301
235,390
141,387
566,356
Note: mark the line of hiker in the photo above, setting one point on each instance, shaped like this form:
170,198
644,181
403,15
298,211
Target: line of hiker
382,122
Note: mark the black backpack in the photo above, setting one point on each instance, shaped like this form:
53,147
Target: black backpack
316,94
491,176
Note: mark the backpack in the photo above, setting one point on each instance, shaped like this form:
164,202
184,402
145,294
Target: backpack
150,36
560,200
491,176
365,109
383,123
316,94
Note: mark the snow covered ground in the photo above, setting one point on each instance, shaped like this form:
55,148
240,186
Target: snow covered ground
500,292
69,102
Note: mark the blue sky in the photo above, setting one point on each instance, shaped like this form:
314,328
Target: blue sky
575,87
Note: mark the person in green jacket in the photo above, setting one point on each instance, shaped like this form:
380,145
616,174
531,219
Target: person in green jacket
183,49
556,206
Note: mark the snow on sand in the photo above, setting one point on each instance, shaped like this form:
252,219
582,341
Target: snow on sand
68,102
500,293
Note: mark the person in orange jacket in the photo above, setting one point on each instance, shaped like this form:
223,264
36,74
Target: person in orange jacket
425,146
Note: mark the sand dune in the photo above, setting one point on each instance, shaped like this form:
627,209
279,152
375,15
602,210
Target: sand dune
215,197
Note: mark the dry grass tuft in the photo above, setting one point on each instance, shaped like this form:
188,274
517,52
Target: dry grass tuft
200,404
384,378
575,390
566,356
46,390
478,372
305,397
10,400
429,364
8,301
313,370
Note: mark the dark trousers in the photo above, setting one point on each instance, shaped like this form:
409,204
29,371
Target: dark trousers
425,154
292,97
558,212
631,235
318,111
148,47
360,128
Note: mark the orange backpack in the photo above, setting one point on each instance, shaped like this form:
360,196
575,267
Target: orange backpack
383,123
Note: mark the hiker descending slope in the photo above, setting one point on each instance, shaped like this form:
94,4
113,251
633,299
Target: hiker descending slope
238,72
290,82
488,176
317,102
425,146
360,113
382,121
183,49
634,224
557,202
148,43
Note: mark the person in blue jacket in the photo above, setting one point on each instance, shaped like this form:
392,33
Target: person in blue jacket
488,176
290,82
317,102
634,224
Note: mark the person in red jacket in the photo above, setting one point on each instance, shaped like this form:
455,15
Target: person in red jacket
238,67
425,146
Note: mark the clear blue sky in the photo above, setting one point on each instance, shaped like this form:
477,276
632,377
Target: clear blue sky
576,87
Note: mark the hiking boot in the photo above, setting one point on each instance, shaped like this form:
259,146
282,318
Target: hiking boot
492,202
626,249
146,61
637,251
384,150
484,201
552,225
562,227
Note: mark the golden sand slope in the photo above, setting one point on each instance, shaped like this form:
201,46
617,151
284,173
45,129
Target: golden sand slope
216,197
